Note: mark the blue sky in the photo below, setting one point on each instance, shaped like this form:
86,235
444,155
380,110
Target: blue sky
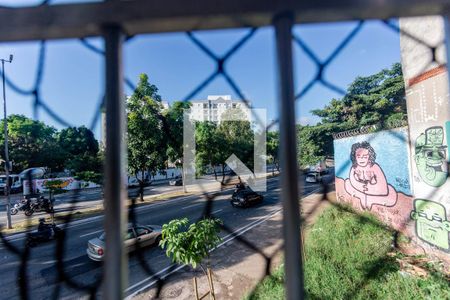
73,75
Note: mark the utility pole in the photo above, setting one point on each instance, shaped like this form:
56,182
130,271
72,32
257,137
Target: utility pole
7,164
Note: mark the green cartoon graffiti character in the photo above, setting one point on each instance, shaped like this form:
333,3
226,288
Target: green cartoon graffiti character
430,156
432,225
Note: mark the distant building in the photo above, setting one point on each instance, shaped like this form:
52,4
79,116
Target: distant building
165,104
214,106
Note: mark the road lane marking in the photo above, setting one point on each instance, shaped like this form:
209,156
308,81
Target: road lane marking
90,233
76,223
167,268
192,205
216,211
226,239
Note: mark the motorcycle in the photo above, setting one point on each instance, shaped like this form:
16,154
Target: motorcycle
22,205
39,204
47,233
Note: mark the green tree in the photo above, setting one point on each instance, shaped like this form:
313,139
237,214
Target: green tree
207,146
235,137
375,99
190,245
78,140
174,117
316,143
90,176
378,98
31,143
81,149
273,142
54,187
145,137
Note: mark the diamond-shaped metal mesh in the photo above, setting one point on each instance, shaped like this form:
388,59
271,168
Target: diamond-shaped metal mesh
63,277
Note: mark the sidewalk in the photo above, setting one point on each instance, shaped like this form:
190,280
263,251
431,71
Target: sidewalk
236,268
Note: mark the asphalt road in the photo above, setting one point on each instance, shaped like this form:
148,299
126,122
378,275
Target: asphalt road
85,199
41,269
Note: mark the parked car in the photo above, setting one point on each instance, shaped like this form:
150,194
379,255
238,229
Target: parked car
144,235
245,197
176,181
15,184
313,177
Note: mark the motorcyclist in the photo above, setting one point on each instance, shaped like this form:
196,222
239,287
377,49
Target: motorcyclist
42,226
46,229
45,202
240,185
26,201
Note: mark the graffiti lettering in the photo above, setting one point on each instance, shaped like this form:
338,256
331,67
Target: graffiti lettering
430,156
427,110
403,183
432,225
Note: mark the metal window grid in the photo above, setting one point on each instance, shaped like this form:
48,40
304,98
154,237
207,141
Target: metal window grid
119,21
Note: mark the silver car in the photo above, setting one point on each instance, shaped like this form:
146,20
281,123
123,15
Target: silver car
144,235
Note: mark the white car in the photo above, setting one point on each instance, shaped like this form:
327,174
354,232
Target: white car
144,235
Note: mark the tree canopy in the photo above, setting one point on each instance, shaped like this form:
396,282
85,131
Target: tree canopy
32,143
174,125
369,100
375,99
217,141
80,148
145,139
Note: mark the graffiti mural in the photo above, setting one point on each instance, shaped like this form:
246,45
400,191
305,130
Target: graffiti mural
65,183
428,113
367,181
431,221
373,174
430,156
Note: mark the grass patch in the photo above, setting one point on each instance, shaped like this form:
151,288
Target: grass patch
350,256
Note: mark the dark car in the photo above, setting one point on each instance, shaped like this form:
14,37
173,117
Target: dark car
176,181
245,197
313,177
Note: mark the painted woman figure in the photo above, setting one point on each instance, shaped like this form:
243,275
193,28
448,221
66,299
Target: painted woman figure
366,179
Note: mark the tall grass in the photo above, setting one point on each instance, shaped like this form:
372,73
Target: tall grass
346,257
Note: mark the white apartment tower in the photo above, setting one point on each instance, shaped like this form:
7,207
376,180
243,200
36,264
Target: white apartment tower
214,106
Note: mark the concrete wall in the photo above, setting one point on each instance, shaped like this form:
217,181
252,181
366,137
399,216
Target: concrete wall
428,105
373,174
401,175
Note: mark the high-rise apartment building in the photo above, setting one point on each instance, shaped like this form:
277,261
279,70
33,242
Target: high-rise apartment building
214,106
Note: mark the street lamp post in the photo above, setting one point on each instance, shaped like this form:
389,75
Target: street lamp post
7,165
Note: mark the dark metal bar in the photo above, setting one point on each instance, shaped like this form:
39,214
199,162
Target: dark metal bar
288,153
115,267
149,16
